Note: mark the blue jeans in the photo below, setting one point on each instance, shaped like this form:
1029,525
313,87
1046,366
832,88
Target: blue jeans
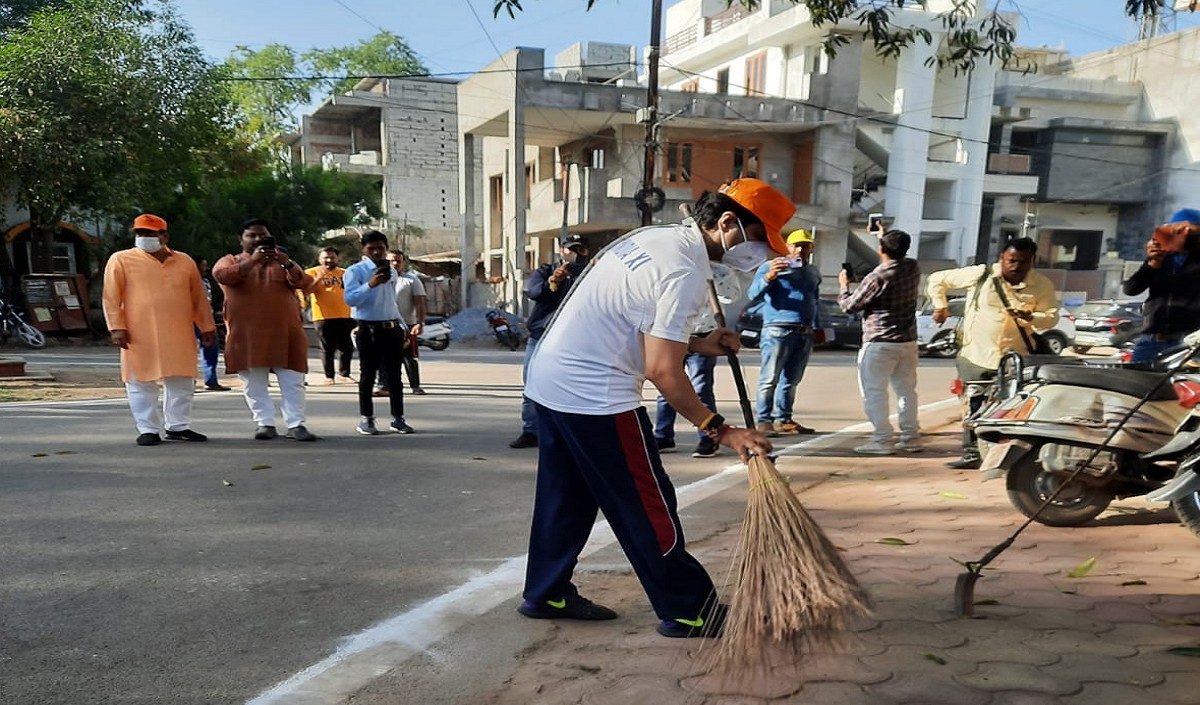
1147,347
785,352
209,355
700,372
528,411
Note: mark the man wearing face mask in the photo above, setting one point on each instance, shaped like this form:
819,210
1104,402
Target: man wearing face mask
789,288
546,288
627,320
153,302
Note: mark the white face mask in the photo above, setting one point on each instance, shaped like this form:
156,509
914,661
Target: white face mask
745,256
147,244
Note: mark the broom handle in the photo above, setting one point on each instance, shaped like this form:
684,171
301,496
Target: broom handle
734,366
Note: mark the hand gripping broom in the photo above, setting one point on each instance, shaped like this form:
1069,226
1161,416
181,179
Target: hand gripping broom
794,594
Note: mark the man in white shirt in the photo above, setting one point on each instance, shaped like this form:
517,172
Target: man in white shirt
627,320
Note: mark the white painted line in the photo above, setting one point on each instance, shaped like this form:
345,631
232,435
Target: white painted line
367,655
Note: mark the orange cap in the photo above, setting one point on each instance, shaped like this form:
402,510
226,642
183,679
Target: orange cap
146,221
770,205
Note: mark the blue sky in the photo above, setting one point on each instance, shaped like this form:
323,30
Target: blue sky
452,39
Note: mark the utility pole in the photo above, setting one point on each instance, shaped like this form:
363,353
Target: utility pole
566,195
651,106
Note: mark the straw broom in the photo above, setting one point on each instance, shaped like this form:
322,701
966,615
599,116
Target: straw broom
794,595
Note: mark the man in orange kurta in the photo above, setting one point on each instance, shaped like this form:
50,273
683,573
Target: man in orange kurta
265,332
153,297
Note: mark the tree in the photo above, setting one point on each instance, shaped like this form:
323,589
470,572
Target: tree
104,107
969,39
301,202
271,83
14,13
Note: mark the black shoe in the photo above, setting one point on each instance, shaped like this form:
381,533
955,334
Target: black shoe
419,391
967,462
712,626
300,433
148,439
264,433
525,440
217,388
570,607
665,445
186,434
706,448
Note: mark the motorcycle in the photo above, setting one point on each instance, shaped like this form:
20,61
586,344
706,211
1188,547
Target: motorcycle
435,335
503,330
12,322
1051,419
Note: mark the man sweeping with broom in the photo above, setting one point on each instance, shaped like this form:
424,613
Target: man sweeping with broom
627,321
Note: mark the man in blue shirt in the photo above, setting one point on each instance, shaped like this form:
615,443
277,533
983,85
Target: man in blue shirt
370,292
789,288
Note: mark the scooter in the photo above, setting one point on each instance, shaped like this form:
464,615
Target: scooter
1056,416
508,337
1183,454
435,335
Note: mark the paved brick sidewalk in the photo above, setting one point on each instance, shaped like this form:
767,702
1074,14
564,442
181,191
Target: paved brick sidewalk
1041,637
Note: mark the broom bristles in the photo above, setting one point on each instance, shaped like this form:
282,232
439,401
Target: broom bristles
794,594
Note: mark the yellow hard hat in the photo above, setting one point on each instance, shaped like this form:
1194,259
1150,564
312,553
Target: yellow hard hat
797,236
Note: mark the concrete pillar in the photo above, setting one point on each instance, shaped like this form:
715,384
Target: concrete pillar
469,237
516,199
913,106
969,189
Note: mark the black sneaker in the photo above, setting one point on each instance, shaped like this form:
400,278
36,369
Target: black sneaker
706,448
186,434
709,627
967,462
300,433
264,433
665,445
525,440
148,439
570,607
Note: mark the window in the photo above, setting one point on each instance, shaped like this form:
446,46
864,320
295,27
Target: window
691,87
723,81
679,163
530,173
497,191
756,74
62,257
594,158
745,162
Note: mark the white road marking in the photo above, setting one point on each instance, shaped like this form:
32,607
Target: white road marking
369,654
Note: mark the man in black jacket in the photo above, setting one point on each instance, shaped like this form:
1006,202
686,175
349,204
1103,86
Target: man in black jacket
1171,273
547,287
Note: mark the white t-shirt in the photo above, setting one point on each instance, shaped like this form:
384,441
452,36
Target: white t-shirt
592,359
407,286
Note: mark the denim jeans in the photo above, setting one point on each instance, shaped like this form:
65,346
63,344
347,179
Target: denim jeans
785,351
528,411
700,372
881,365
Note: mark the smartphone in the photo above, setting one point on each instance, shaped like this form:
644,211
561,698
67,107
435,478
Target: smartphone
383,266
849,270
268,242
795,262
874,220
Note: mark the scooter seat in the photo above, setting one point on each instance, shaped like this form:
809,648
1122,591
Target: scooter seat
1135,383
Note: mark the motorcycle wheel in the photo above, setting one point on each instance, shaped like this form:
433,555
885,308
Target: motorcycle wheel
32,337
936,349
1188,511
510,340
1029,486
436,343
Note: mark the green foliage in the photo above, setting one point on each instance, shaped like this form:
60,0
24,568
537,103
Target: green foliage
104,107
14,13
300,202
385,54
270,83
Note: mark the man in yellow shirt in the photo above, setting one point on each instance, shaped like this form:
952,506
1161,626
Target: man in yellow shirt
152,299
330,312
1000,297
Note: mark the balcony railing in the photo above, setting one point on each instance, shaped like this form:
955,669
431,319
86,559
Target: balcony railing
679,40
1009,164
721,20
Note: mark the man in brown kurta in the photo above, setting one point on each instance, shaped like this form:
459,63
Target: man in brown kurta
153,297
265,332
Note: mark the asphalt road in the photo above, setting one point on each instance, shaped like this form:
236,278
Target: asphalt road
207,573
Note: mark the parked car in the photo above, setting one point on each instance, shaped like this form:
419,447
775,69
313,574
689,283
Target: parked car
846,327
930,334
1107,323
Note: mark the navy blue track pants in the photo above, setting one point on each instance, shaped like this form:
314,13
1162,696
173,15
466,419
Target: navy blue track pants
610,464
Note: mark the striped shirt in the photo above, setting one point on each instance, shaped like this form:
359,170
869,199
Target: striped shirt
887,296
